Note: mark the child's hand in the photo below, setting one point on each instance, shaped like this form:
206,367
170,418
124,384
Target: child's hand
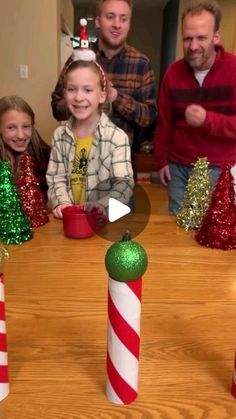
93,206
57,212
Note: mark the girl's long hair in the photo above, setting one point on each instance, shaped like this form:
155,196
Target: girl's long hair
8,103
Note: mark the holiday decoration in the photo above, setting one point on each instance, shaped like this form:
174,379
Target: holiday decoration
32,197
233,388
4,380
126,262
233,172
196,198
14,225
84,52
218,228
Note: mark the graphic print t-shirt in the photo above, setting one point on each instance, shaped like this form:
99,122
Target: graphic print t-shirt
79,169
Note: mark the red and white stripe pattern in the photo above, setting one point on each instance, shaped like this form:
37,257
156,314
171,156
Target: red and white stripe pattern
124,310
4,381
233,388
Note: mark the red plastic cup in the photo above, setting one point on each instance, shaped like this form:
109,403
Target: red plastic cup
79,224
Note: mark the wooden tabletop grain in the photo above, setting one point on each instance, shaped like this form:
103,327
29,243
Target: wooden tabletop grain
56,307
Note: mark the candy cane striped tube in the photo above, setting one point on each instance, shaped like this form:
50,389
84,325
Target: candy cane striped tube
4,381
124,310
233,388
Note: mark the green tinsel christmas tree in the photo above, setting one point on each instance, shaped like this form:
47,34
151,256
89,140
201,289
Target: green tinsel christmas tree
196,198
15,227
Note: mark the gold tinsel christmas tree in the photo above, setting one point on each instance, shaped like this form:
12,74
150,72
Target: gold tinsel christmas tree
196,198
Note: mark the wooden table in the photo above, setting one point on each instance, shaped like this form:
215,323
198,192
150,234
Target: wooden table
56,305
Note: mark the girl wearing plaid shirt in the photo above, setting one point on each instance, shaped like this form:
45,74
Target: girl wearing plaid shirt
90,156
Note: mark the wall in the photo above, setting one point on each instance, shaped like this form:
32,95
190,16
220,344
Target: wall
169,35
228,23
234,44
67,11
30,34
145,33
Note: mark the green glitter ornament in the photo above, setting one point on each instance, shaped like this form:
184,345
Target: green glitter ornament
15,227
126,260
196,197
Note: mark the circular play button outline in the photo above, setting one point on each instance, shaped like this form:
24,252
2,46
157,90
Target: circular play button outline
135,220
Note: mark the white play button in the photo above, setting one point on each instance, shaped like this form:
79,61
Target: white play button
116,210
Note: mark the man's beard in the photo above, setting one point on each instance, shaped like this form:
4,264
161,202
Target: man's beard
201,63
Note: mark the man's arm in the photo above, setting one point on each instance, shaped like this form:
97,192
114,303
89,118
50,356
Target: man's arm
217,124
220,125
139,107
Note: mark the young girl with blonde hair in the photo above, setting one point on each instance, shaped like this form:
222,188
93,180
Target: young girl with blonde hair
90,156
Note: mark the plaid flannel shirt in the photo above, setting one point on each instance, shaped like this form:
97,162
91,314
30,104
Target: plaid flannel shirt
109,171
131,74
